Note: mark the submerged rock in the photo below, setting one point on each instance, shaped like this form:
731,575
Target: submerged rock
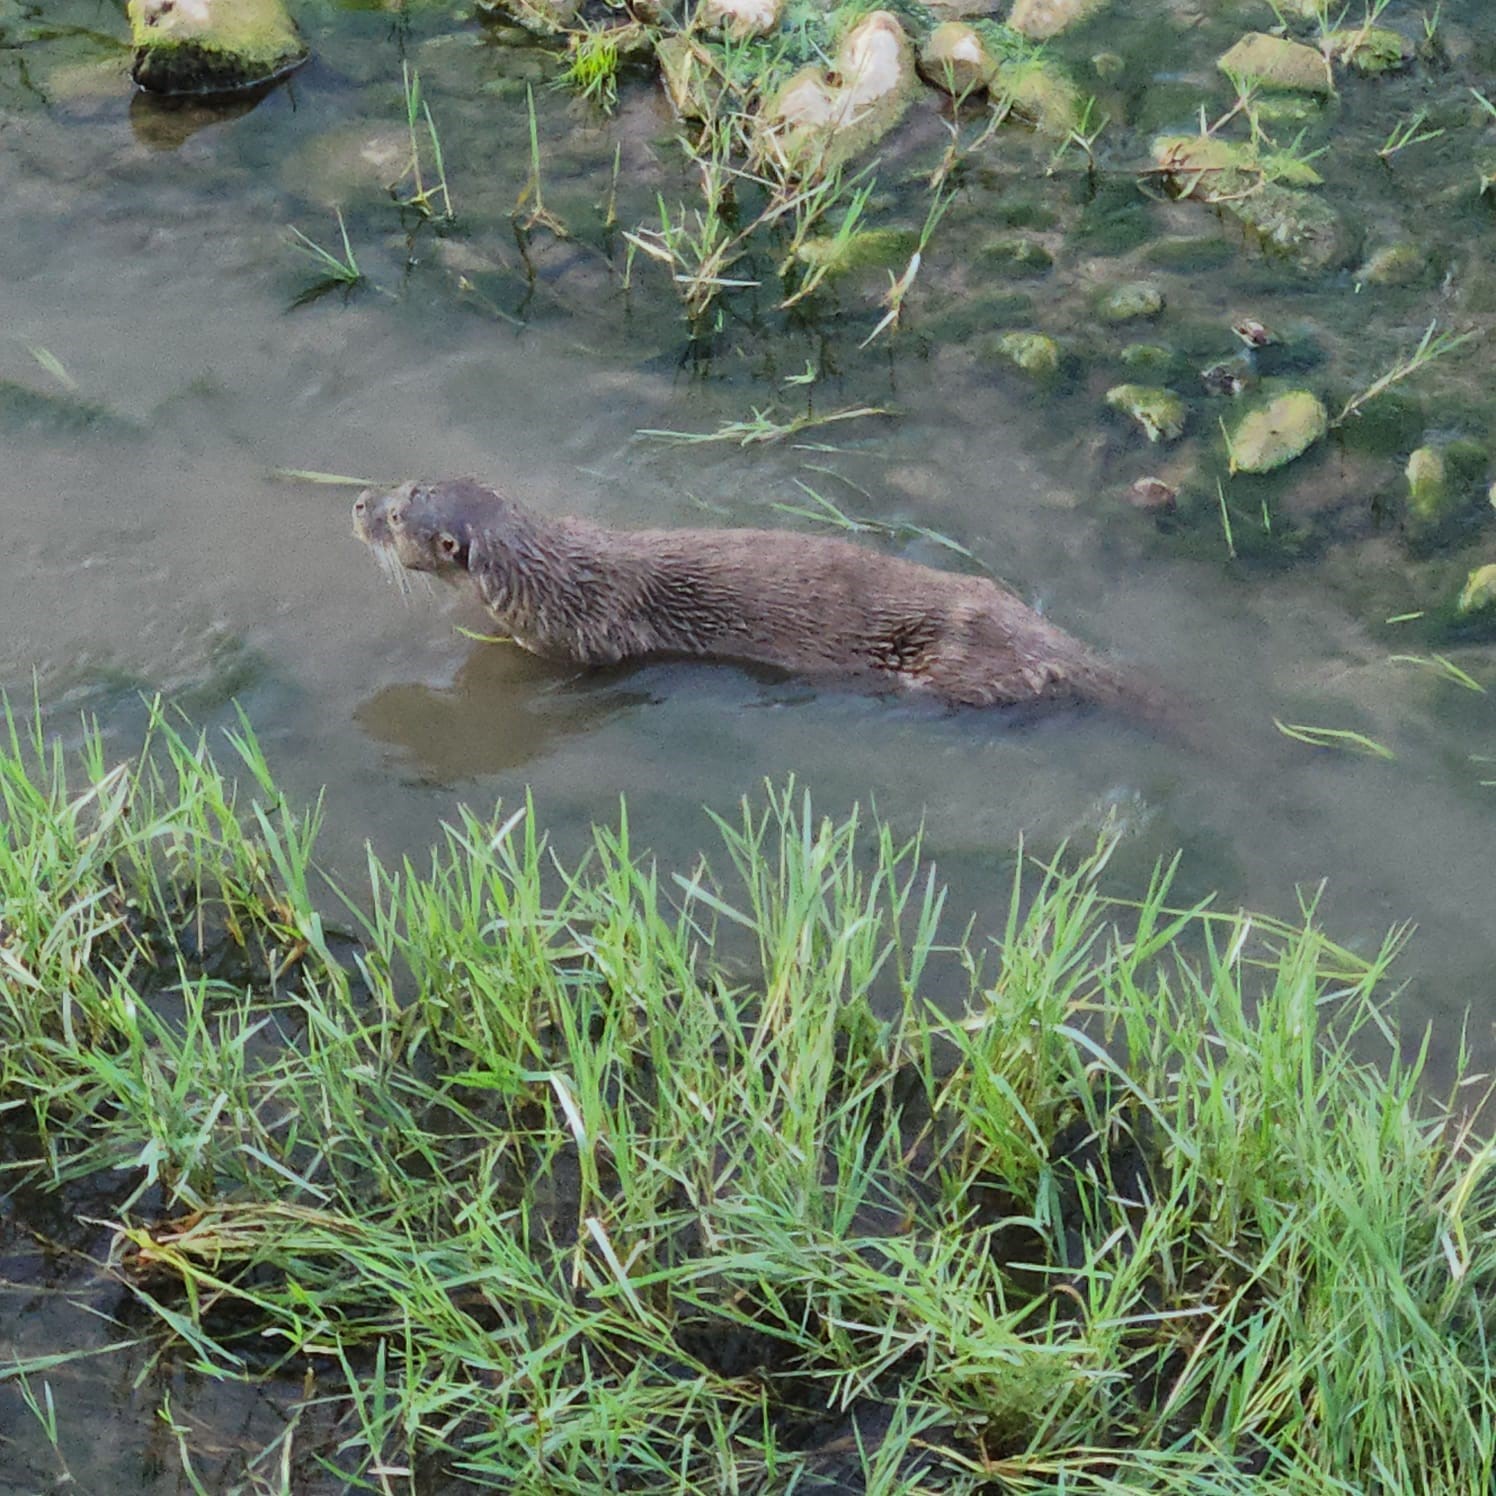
1148,358
543,17
1128,303
1040,93
212,46
1293,223
1479,592
819,120
1273,62
1033,352
1045,18
1443,482
1015,254
1369,49
1230,376
1154,494
838,254
1160,412
1394,265
1276,433
1428,486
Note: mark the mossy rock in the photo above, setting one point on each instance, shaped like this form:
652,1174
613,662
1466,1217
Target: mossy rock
1428,486
1274,62
1160,412
1478,596
1294,223
1274,434
212,46
1131,302
1402,264
955,59
1040,19
1444,483
1203,166
741,19
871,248
1369,49
1041,94
1034,352
538,17
1015,254
1149,358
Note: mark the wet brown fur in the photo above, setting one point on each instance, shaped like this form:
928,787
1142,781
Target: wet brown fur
576,591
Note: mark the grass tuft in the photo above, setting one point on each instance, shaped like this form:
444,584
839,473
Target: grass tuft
621,1177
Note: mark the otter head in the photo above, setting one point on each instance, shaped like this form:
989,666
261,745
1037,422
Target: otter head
425,527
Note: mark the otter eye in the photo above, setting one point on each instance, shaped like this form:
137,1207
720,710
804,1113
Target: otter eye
359,505
447,544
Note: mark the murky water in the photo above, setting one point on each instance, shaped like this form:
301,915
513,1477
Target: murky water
148,545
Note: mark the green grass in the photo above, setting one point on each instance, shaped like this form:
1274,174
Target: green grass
616,1177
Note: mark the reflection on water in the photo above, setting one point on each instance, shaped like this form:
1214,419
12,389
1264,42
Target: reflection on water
503,709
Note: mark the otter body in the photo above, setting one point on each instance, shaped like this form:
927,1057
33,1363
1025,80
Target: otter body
576,591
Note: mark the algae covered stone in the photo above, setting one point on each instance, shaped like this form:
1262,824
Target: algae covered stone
1160,412
741,19
838,254
1040,19
1400,264
1132,302
1368,49
1040,93
955,58
1276,433
212,46
1014,254
820,119
1033,352
1273,62
1428,486
1479,592
1293,223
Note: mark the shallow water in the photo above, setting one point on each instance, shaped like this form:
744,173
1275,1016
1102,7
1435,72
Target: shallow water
149,546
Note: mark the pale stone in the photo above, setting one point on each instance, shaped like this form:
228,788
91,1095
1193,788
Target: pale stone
1044,18
1277,432
742,18
1274,62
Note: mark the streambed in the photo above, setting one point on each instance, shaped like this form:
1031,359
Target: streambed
149,545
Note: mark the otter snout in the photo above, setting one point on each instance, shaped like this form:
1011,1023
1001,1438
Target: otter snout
378,513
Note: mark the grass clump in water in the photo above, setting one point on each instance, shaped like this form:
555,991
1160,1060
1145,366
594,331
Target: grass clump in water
608,1177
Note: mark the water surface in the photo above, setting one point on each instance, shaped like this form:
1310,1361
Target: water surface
149,546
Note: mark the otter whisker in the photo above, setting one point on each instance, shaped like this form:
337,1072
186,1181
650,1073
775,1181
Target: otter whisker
394,572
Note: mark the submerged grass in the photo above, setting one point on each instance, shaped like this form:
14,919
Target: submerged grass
612,1178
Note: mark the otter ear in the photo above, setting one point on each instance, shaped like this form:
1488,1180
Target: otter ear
449,545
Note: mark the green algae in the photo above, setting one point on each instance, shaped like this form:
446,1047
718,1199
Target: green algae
1159,411
217,46
1276,433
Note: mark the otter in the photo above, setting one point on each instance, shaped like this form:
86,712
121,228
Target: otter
576,591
